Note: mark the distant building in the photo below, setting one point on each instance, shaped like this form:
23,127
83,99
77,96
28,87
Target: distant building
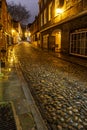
10,31
5,32
16,32
34,29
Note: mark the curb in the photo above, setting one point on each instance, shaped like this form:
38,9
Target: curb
40,124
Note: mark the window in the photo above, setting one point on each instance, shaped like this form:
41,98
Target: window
78,43
45,16
0,12
50,11
56,3
70,3
56,6
0,8
59,3
45,1
0,4
41,4
41,19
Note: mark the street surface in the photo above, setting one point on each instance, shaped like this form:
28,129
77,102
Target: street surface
59,87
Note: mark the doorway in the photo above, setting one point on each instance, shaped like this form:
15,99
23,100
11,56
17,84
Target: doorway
57,34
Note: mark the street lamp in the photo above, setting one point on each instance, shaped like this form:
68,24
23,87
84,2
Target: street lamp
59,11
25,34
13,31
29,34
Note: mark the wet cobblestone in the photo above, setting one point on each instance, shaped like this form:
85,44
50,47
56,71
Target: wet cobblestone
59,87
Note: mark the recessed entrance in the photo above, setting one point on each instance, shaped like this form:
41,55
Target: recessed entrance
57,34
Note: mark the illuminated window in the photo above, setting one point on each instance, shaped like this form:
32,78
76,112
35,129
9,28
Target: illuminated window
59,3
56,3
50,11
45,16
69,3
56,6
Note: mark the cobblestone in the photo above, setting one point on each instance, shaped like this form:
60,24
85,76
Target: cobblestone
59,87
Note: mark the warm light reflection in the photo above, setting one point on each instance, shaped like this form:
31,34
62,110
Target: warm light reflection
11,60
29,34
25,34
9,69
13,30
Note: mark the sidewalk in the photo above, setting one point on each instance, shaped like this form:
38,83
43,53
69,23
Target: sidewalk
73,59
14,88
70,58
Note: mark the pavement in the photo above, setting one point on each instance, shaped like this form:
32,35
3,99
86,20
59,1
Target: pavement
13,87
67,57
75,59
71,58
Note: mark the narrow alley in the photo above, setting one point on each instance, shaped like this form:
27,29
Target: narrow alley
58,87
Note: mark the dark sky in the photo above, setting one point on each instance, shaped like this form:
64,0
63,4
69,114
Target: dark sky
31,5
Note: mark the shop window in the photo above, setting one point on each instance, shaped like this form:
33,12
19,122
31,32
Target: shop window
78,43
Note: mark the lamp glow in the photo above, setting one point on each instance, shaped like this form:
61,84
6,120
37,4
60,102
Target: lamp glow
59,11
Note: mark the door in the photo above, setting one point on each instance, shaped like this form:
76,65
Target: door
51,43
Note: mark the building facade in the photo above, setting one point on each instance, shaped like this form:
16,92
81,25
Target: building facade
10,31
63,26
16,32
34,30
5,26
5,31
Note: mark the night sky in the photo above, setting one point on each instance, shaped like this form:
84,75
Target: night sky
31,5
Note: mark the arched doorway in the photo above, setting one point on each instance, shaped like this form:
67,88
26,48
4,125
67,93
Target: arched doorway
57,34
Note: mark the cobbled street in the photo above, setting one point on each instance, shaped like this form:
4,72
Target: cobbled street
58,87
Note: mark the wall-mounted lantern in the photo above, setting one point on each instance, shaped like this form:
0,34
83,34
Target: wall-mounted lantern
59,11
